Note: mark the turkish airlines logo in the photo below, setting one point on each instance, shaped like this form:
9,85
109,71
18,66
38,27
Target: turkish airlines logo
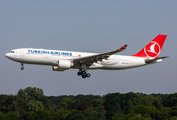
152,50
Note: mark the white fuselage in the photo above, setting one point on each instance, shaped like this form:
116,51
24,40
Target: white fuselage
51,58
62,60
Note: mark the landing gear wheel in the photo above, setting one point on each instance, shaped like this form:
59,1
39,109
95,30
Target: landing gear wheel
83,73
22,68
84,76
88,75
79,73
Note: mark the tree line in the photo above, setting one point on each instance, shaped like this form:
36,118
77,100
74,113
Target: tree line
31,104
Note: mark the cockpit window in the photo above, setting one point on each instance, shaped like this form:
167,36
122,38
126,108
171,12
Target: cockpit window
11,51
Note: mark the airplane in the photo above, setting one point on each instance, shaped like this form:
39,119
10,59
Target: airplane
63,60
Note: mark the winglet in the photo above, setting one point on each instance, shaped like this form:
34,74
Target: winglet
123,47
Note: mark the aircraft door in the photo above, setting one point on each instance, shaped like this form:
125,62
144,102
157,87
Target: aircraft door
21,53
130,60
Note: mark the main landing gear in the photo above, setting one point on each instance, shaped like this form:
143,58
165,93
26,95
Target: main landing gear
83,73
22,68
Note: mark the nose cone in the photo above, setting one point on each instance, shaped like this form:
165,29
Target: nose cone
7,55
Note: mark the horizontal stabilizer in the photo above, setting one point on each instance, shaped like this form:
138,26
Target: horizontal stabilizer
154,60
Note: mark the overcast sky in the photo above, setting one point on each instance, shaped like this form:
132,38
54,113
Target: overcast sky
90,26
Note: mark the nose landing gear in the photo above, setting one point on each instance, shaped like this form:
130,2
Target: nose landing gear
83,73
22,68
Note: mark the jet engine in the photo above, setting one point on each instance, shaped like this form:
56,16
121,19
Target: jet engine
63,65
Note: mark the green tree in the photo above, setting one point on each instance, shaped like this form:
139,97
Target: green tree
90,112
148,100
29,99
101,109
136,117
157,104
7,106
75,115
143,110
12,116
2,99
97,102
60,114
33,105
139,99
3,116
20,106
157,115
64,103
3,107
43,115
56,116
74,105
28,116
112,105
173,118
22,94
31,93
128,107
80,97
15,107
170,101
166,109
125,97
118,116
174,111
48,105
86,103
64,114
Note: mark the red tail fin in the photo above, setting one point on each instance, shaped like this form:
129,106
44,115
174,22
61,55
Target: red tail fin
153,48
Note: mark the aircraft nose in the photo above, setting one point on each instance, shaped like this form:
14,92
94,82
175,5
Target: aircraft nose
7,55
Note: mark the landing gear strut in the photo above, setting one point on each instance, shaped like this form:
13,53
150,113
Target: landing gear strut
83,73
22,68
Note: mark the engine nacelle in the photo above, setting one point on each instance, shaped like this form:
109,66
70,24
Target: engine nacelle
63,65
56,68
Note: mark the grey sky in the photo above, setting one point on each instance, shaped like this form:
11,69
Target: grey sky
90,26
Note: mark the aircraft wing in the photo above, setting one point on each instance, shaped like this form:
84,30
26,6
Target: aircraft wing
94,58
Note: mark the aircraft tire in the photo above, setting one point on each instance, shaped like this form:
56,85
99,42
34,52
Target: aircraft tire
83,72
88,74
84,76
22,68
79,73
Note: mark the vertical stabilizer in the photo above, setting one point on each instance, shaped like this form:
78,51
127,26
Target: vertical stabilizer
153,48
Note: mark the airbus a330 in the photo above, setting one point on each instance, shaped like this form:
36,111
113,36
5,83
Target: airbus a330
63,60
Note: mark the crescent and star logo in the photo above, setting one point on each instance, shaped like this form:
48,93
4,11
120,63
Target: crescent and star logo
152,50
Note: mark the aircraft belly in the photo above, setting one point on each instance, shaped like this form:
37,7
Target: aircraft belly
117,64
